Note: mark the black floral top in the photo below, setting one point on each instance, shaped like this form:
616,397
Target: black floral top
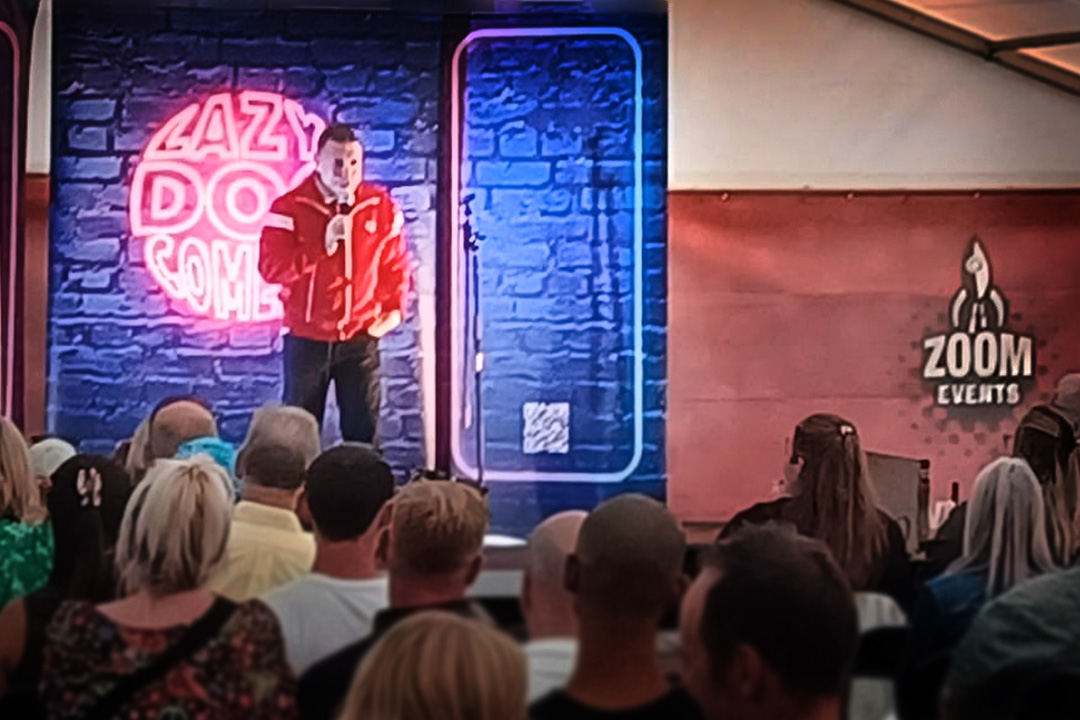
26,558
242,673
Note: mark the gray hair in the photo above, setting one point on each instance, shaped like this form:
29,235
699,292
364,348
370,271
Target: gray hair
1005,528
175,527
283,426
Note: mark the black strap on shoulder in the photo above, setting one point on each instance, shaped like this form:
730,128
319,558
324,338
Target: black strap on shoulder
198,634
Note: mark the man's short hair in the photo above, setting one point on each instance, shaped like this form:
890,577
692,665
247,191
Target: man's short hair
630,551
437,527
784,596
290,427
346,488
174,421
273,466
339,133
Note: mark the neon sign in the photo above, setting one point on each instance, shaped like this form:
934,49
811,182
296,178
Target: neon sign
201,190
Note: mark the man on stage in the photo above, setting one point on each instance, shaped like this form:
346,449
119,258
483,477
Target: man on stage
335,244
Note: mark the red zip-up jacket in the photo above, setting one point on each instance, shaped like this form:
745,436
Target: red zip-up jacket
335,297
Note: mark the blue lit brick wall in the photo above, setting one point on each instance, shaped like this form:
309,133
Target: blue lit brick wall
549,155
117,344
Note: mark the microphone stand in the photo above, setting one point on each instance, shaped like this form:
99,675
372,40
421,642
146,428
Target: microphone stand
471,240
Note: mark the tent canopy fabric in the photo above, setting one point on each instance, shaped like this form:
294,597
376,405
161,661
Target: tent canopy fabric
1037,37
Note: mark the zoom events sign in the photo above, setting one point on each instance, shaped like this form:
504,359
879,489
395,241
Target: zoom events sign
980,362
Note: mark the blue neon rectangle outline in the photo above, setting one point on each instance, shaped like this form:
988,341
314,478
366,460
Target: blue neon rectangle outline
456,339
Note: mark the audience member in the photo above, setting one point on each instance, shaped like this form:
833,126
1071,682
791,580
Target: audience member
439,666
268,546
548,606
169,647
46,456
832,500
220,451
625,573
85,505
769,630
284,425
138,450
346,492
1005,544
1021,641
175,421
432,550
26,541
1047,438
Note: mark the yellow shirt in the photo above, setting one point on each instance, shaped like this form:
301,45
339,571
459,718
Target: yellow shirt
267,548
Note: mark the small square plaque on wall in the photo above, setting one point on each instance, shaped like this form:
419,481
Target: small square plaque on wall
547,428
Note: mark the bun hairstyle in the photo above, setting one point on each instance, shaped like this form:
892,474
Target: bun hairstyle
834,500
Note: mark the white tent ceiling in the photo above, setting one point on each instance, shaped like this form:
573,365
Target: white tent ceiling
1036,37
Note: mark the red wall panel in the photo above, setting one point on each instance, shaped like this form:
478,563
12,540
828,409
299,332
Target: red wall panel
782,305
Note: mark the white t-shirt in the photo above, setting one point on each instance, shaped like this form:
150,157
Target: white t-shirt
319,614
551,660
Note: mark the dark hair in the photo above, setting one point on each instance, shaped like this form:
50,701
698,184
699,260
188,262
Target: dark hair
273,466
86,523
834,500
346,488
784,596
340,133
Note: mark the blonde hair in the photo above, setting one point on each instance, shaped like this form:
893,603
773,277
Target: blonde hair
437,666
1005,528
437,527
136,464
20,496
834,501
175,527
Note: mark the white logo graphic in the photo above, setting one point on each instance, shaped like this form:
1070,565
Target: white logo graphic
982,360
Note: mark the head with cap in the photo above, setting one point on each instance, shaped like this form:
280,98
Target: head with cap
546,603
47,455
627,564
221,451
20,496
769,629
346,491
175,527
833,499
86,505
1005,527
175,421
432,547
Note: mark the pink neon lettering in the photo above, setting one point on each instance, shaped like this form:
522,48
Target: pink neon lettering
267,110
202,191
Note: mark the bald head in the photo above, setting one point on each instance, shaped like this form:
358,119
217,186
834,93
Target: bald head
175,424
546,603
629,558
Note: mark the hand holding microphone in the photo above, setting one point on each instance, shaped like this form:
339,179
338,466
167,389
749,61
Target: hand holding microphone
336,231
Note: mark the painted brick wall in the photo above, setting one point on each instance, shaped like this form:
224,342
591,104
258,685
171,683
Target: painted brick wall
118,344
549,154
550,161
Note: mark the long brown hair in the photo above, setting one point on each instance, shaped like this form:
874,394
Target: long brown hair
833,499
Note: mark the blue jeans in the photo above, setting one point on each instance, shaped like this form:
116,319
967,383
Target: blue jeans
353,365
